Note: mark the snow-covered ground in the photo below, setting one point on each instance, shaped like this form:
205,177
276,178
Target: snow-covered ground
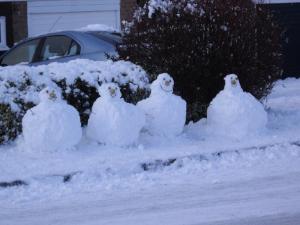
191,179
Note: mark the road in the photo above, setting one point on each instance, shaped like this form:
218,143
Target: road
261,201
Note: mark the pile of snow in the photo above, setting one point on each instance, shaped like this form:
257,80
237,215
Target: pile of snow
166,112
51,125
98,27
285,91
165,6
23,83
162,5
234,113
113,121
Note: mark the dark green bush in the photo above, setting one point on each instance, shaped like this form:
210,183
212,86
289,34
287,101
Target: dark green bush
11,122
199,42
82,96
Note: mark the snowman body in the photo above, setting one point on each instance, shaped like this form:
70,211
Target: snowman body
235,113
51,125
113,121
165,112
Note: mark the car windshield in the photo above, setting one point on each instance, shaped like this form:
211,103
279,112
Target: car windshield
114,38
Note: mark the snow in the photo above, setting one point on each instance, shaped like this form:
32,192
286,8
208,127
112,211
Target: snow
98,27
51,125
165,112
93,72
254,180
113,121
234,113
165,6
161,5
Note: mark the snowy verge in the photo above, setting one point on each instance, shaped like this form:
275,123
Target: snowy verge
91,167
141,165
107,176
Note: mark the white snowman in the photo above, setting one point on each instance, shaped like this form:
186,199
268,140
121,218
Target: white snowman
51,125
235,113
165,112
114,121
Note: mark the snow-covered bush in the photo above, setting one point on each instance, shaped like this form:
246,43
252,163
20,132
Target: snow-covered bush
78,81
199,42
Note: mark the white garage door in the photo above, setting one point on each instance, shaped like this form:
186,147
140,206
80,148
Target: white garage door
54,15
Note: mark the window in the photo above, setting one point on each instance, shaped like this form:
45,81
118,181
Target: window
23,53
59,46
3,45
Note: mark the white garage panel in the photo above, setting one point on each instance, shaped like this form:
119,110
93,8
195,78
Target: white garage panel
54,15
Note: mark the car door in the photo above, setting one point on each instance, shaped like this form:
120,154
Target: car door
24,53
57,48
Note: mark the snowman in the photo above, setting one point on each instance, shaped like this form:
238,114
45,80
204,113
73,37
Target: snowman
165,112
51,125
113,121
235,113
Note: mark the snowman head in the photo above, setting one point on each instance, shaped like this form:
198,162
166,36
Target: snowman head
50,94
163,84
109,91
232,82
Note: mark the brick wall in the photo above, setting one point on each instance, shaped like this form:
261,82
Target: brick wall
16,20
127,9
19,21
6,10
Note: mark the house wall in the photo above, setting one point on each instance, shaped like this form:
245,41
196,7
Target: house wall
127,9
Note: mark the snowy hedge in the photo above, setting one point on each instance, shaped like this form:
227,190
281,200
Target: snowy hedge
78,80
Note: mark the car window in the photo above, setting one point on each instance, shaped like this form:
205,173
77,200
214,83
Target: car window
113,38
22,54
74,49
59,46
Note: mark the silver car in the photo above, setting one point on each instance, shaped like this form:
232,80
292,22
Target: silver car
62,47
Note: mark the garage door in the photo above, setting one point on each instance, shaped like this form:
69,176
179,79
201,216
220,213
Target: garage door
54,15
